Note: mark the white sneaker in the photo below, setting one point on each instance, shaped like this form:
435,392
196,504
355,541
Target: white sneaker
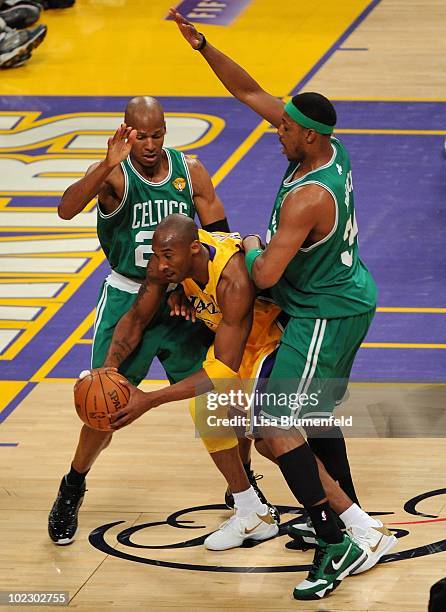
375,541
233,532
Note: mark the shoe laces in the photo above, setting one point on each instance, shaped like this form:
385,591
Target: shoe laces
68,499
319,554
254,477
229,521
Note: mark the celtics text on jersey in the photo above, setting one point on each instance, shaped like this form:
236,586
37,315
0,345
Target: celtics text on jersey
126,234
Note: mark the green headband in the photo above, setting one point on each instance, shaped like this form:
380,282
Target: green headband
305,121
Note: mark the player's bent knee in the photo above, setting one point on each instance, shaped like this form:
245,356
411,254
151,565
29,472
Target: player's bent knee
261,446
216,445
216,437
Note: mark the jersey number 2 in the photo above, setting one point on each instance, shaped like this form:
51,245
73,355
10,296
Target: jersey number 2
143,249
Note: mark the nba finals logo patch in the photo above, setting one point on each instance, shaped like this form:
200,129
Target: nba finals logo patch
179,183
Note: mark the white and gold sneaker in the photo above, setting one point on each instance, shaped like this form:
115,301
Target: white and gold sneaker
375,541
233,532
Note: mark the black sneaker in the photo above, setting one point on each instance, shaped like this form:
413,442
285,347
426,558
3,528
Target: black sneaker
253,478
11,3
16,45
20,16
20,61
58,4
62,520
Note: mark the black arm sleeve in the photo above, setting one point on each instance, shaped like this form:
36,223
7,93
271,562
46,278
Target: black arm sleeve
217,226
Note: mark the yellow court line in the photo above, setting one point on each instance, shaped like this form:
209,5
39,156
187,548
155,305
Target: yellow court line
54,236
9,390
390,99
408,345
65,174
63,349
391,131
56,232
397,384
51,209
38,302
149,381
34,277
380,132
52,308
59,143
29,332
364,345
410,310
46,194
15,323
153,381
240,152
53,255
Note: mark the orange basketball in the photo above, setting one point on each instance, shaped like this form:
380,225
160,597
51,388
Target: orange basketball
98,394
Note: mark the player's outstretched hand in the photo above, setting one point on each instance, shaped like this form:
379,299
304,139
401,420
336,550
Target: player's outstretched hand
180,306
139,403
187,29
119,145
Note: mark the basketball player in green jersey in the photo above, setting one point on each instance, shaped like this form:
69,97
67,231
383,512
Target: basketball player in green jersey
312,266
138,184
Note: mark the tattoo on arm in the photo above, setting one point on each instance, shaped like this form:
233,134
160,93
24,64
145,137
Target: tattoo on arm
122,350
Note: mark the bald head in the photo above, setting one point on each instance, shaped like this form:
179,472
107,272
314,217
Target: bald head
143,109
176,246
176,229
146,116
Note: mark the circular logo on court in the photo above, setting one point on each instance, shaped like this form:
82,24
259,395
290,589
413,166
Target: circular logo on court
183,525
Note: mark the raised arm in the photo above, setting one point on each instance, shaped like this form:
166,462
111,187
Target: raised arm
236,80
130,328
98,180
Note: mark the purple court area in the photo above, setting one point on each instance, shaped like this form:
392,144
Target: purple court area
223,12
399,183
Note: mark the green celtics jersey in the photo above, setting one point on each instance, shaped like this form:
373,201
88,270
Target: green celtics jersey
126,234
327,279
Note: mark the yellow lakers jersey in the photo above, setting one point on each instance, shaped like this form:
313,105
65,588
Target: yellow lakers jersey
222,247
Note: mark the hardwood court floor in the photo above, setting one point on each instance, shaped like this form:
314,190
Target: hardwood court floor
155,468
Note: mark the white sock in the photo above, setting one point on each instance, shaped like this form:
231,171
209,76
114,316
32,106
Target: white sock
356,516
247,501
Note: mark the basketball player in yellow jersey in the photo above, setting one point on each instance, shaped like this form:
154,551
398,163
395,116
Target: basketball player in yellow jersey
212,271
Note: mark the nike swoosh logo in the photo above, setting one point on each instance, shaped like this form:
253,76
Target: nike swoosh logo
336,566
375,548
252,528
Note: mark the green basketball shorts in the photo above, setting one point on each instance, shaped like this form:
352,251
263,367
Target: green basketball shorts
180,345
312,367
